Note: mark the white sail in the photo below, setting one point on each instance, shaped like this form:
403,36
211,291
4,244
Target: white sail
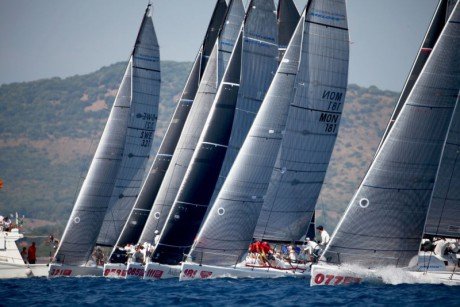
384,222
311,130
230,224
127,130
194,124
139,133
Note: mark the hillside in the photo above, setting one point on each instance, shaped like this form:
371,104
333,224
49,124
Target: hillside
50,128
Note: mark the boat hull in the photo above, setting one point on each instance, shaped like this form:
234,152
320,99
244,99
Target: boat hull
333,275
192,271
135,270
155,271
10,270
115,270
63,270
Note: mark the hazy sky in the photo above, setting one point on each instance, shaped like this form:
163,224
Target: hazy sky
42,39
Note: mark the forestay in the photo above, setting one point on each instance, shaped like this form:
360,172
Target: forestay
384,222
229,225
226,128
312,126
138,216
122,151
193,125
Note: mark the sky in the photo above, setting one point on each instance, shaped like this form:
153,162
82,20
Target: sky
48,38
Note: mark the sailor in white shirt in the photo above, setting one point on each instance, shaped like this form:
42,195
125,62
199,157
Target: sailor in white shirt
312,249
157,237
324,236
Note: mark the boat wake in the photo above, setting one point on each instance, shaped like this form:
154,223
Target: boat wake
392,276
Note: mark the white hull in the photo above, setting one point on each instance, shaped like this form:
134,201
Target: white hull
135,270
63,270
195,271
115,270
155,271
333,275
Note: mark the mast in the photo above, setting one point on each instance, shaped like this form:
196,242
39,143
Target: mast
126,140
384,222
194,123
138,216
246,80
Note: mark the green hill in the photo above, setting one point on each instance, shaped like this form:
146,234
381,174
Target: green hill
49,130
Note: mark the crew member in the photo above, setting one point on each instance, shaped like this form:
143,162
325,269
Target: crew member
324,236
31,253
312,249
138,255
157,237
98,256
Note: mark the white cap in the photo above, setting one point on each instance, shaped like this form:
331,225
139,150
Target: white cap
156,232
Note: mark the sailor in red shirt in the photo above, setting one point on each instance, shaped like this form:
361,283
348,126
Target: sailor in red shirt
265,247
31,254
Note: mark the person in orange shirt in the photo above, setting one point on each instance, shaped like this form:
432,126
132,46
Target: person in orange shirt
31,254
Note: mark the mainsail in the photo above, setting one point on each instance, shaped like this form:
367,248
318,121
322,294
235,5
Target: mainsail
311,130
438,21
118,164
230,224
384,222
246,80
140,212
194,123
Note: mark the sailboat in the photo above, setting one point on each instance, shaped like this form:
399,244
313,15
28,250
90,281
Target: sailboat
136,221
218,61
414,171
119,163
299,114
245,82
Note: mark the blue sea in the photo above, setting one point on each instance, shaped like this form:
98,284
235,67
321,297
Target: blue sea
220,292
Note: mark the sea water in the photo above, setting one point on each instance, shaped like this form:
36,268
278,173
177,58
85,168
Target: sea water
219,292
